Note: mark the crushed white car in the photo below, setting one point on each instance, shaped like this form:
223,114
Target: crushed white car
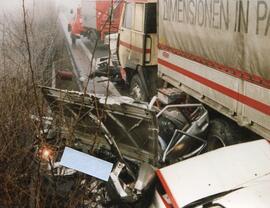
237,176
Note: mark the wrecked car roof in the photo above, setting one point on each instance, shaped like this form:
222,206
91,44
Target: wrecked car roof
131,124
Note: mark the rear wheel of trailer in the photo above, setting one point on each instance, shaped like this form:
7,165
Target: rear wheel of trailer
222,132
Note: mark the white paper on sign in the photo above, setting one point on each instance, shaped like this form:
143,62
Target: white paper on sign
85,163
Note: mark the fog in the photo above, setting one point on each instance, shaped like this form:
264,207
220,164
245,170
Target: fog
69,4
8,6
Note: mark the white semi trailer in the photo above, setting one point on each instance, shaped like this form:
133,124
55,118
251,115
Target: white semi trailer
212,52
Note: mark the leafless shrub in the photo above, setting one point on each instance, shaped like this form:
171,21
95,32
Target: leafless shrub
28,43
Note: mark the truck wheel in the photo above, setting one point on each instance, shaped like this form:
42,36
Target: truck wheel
93,36
221,133
136,90
73,39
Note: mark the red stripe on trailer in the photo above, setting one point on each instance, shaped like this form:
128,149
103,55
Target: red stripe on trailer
225,69
167,189
134,48
264,108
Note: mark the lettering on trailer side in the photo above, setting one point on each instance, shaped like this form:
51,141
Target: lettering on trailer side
237,15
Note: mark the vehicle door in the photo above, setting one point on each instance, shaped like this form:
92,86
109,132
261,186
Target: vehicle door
131,40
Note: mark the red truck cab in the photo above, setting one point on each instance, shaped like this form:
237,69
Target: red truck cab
75,26
92,19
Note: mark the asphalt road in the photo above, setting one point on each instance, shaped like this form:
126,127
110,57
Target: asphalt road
81,55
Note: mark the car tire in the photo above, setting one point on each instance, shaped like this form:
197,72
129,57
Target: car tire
221,133
136,90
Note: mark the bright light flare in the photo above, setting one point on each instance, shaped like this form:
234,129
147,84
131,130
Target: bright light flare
46,153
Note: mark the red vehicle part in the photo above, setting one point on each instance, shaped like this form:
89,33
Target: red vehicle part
76,25
93,18
103,9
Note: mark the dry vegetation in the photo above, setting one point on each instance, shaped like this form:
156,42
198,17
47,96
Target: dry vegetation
27,50
29,44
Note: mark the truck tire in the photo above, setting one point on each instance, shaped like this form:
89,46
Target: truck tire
93,36
73,39
221,133
136,90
